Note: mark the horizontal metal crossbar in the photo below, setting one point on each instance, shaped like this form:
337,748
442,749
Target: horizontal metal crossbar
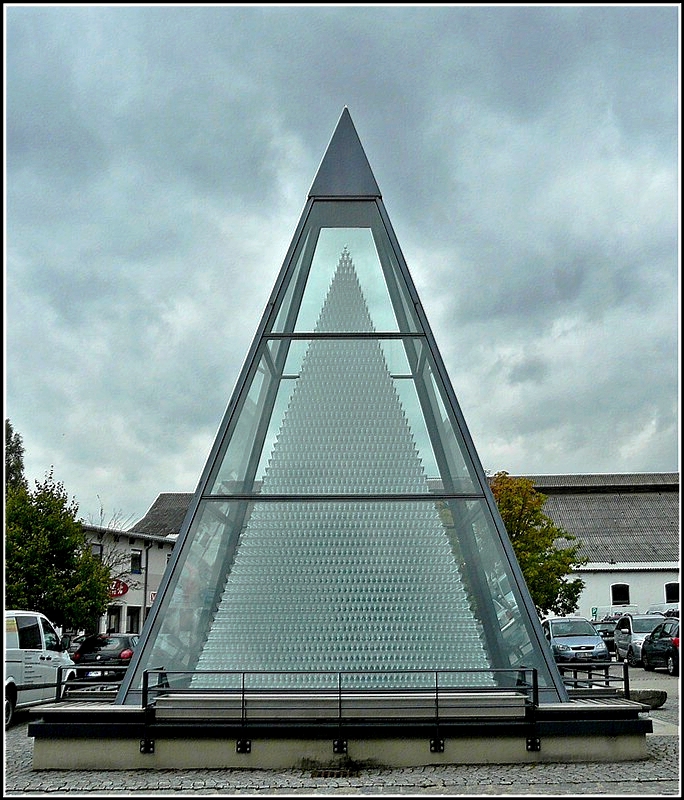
255,706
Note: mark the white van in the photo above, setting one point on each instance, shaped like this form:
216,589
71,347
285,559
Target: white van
33,654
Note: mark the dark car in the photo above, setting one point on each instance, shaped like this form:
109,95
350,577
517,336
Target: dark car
75,643
103,651
661,647
606,630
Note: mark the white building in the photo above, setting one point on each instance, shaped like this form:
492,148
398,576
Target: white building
141,560
627,526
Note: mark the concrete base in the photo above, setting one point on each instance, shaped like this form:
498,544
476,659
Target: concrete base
82,736
122,754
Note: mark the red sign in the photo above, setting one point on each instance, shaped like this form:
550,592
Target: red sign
119,589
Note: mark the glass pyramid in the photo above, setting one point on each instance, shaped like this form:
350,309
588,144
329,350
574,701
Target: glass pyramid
343,525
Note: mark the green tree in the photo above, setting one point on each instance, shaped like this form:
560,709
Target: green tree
546,553
14,458
49,566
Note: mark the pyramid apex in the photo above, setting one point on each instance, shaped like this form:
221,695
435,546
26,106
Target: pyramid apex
344,170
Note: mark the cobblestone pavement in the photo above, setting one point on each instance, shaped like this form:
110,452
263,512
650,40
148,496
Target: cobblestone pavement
656,776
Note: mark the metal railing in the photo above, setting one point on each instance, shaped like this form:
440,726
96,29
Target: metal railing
440,691
596,678
89,687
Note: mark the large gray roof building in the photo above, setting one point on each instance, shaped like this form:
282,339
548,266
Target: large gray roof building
617,518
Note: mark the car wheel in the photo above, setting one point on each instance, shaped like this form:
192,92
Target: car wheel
10,702
647,664
632,660
672,666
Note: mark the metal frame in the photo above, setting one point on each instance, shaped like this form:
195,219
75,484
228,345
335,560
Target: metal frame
345,177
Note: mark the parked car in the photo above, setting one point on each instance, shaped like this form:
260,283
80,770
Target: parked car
661,647
630,632
606,630
574,639
75,643
666,609
102,651
34,652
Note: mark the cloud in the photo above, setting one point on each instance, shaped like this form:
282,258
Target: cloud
158,159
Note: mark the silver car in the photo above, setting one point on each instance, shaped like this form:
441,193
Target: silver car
630,632
574,639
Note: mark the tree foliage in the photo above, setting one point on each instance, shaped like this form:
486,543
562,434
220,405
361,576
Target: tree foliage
49,566
546,553
14,458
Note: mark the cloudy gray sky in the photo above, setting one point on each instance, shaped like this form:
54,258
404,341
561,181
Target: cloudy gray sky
158,160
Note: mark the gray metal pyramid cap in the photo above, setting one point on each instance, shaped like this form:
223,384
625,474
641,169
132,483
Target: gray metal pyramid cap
344,170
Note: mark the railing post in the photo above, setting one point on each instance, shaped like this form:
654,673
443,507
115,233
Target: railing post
243,700
145,686
58,693
625,676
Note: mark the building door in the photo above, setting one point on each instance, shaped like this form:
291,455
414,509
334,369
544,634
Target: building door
114,619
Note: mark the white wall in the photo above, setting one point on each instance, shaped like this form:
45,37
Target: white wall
140,588
646,586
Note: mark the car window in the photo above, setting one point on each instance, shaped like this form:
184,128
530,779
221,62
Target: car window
119,642
51,637
91,643
29,633
645,625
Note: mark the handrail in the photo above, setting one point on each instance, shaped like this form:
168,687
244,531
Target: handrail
596,675
523,681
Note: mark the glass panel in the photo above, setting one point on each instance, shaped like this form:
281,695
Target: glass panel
355,244
366,586
199,574
456,470
235,464
496,594
340,422
355,230
295,285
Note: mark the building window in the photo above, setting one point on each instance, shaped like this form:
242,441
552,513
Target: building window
114,619
96,549
136,562
672,592
132,619
619,593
